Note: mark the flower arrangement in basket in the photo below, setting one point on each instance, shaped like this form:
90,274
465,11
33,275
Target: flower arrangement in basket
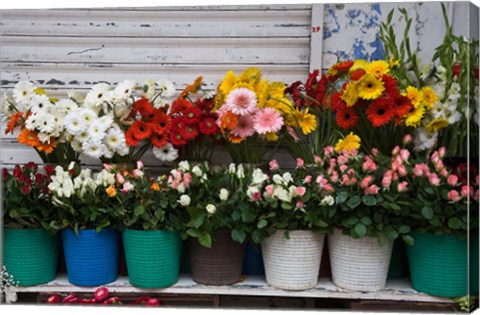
452,74
39,120
194,129
27,198
251,112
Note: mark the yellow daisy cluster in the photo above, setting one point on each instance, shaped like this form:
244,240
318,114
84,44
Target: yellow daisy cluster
351,142
423,100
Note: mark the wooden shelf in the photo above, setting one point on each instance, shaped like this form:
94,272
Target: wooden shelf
395,290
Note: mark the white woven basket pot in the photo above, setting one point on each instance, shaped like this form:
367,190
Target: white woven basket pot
292,264
358,264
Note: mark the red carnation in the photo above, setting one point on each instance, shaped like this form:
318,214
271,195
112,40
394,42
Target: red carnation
456,70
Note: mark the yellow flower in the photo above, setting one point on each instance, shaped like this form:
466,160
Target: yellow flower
369,87
436,125
429,97
307,122
394,62
414,118
414,95
40,91
283,105
359,64
331,72
350,94
111,191
378,68
351,141
227,84
155,186
262,92
271,136
251,75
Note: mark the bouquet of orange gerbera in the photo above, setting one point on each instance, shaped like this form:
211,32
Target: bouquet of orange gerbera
367,100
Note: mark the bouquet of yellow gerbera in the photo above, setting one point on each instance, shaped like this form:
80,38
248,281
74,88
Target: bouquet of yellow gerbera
251,112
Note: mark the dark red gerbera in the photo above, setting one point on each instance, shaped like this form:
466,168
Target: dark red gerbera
177,139
346,117
159,140
401,106
180,105
380,111
143,107
391,86
162,122
190,132
141,130
357,74
191,115
208,126
205,105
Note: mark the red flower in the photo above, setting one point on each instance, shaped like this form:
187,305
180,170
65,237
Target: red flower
205,105
180,105
140,130
380,111
177,139
142,106
357,74
190,132
401,106
343,66
191,115
5,174
178,123
49,169
336,101
456,70
153,302
71,299
87,301
162,122
53,299
130,138
159,140
312,79
391,86
208,126
319,93
101,294
112,300
346,117
142,300
39,178
17,171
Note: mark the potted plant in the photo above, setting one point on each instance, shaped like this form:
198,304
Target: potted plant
90,245
151,223
371,196
31,243
291,226
445,213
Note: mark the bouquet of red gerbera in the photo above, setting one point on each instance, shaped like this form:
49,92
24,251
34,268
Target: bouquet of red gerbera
194,126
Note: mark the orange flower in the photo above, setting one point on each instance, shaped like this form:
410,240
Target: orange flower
47,147
130,138
29,138
155,187
343,66
229,121
180,105
12,122
159,140
140,130
380,111
111,191
235,139
192,88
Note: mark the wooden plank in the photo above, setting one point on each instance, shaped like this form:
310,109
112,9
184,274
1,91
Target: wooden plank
396,290
316,37
70,75
154,50
161,23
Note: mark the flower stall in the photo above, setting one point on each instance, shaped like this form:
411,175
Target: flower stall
176,185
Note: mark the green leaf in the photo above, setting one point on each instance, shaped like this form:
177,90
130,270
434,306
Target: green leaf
205,240
454,223
341,197
350,221
391,234
408,239
193,233
286,206
404,229
248,216
369,200
429,190
360,230
353,202
427,213
138,210
366,220
261,224
238,236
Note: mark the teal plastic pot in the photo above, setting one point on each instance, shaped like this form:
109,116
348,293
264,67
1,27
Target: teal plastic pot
30,255
153,257
439,264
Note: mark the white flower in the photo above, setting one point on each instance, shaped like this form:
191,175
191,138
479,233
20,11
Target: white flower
38,103
31,122
282,194
77,146
184,200
44,137
93,148
114,138
87,116
107,153
105,178
240,172
232,168
96,130
66,106
424,140
99,93
23,92
45,122
181,188
123,149
82,136
258,176
184,166
74,124
287,177
124,90
278,179
327,201
453,117
148,88
160,103
211,208
197,171
209,95
252,190
223,195
166,87
127,186
106,121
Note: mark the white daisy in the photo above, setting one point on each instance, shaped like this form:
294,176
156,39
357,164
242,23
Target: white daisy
82,136
77,146
123,149
39,103
166,87
66,106
23,92
107,153
167,153
99,92
124,89
45,122
114,138
74,123
96,130
106,121
93,149
148,88
44,137
31,122
87,116
424,140
160,103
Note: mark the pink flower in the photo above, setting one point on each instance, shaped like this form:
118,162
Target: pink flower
395,177
101,294
153,302
387,179
328,151
467,190
441,152
402,187
317,159
374,151
244,127
308,179
366,182
402,170
300,163
273,164
333,162
418,170
435,157
327,187
345,180
127,186
434,179
256,196
369,165
292,133
439,165
334,177
300,191
452,180
241,101
343,168
120,178
300,204
396,150
170,179
70,299
139,165
137,173
187,179
341,160
405,154
372,190
53,299
454,196
407,139
267,120
269,190
444,172
107,167
395,165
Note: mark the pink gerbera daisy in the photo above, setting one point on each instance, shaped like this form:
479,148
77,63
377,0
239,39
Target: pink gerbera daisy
241,101
267,120
244,127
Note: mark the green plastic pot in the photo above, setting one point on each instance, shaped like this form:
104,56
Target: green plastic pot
30,255
153,257
439,264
